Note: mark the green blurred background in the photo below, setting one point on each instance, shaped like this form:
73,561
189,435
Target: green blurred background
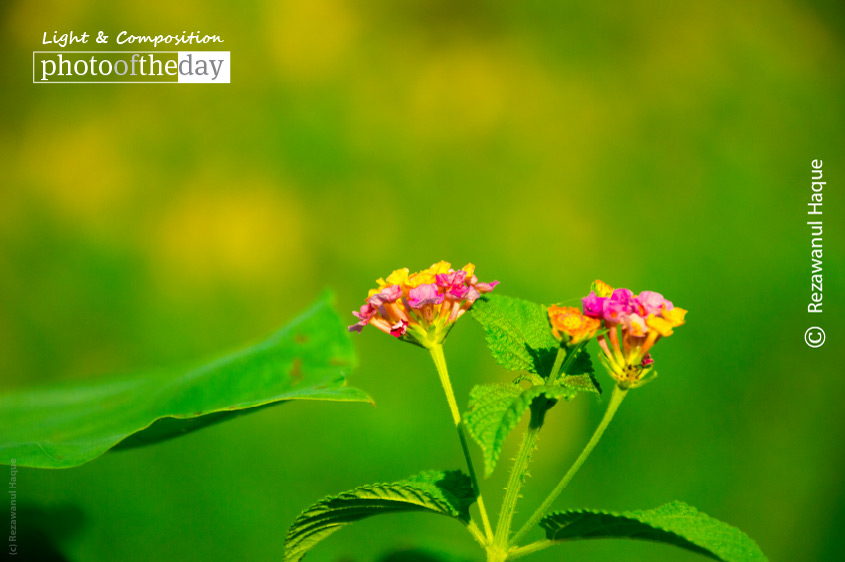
657,145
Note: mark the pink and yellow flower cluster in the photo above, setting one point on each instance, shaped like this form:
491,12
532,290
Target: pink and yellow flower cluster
421,307
633,323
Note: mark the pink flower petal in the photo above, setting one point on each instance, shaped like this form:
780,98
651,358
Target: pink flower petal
423,295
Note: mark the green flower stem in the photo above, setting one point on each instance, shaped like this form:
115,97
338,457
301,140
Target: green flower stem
495,554
521,551
517,477
439,359
523,458
559,359
615,400
476,533
564,358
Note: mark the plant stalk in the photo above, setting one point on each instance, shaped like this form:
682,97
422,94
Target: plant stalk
517,477
476,533
563,360
523,458
559,359
615,400
439,359
495,554
515,553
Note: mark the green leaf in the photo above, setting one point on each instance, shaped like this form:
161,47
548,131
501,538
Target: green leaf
68,425
581,383
518,333
675,523
582,364
579,372
445,493
495,409
520,339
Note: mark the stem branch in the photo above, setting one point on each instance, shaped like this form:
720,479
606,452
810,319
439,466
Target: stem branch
529,549
615,400
517,477
439,359
523,458
476,533
559,359
564,359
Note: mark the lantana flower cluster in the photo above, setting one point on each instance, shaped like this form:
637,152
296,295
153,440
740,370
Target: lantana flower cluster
421,307
570,326
632,325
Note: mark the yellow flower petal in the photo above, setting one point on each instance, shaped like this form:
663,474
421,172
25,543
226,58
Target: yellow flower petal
422,278
659,325
440,267
675,317
398,276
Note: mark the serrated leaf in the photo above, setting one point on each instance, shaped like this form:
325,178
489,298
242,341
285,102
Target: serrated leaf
67,425
581,383
520,339
495,409
445,493
582,364
578,371
518,333
675,523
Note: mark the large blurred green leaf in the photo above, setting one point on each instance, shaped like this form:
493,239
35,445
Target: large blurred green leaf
65,426
675,523
447,493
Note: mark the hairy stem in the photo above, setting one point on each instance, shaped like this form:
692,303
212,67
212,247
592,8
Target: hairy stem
559,360
563,360
517,477
476,533
521,551
496,554
523,458
439,359
615,400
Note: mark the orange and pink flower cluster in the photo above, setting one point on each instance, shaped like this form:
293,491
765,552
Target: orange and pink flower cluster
421,307
632,325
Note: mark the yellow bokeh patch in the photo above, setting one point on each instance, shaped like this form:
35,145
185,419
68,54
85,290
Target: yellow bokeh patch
239,234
